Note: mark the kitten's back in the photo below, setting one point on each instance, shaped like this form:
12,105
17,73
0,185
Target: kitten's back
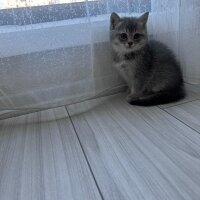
165,63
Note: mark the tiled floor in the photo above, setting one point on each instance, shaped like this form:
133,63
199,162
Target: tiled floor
103,149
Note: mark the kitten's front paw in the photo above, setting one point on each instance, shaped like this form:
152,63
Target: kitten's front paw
128,90
128,98
131,97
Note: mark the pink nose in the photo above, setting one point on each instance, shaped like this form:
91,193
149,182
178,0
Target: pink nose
130,44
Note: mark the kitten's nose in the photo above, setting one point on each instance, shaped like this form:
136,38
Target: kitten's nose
130,44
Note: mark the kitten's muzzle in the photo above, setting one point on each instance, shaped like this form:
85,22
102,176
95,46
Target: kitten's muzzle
130,44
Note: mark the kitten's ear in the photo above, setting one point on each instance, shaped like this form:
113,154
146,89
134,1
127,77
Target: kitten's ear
114,20
143,19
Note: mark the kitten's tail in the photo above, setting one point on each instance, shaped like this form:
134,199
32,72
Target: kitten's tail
160,98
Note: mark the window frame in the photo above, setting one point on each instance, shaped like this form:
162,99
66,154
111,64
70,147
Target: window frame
58,12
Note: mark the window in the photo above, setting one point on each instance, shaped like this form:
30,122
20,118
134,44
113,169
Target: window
24,12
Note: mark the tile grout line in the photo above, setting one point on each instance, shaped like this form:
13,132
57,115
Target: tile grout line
178,104
181,121
79,141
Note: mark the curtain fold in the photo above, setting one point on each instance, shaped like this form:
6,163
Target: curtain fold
63,56
189,42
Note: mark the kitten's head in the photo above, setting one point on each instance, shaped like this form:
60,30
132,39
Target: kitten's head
128,34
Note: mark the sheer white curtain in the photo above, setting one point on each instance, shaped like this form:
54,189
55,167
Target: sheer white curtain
177,23
189,40
57,62
59,54
164,22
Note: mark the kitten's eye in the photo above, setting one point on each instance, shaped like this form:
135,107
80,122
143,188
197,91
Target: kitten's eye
123,36
137,36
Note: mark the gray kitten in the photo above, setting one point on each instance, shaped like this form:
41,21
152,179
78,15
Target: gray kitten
149,67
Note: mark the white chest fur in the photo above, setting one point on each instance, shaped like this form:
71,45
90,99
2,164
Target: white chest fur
126,70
